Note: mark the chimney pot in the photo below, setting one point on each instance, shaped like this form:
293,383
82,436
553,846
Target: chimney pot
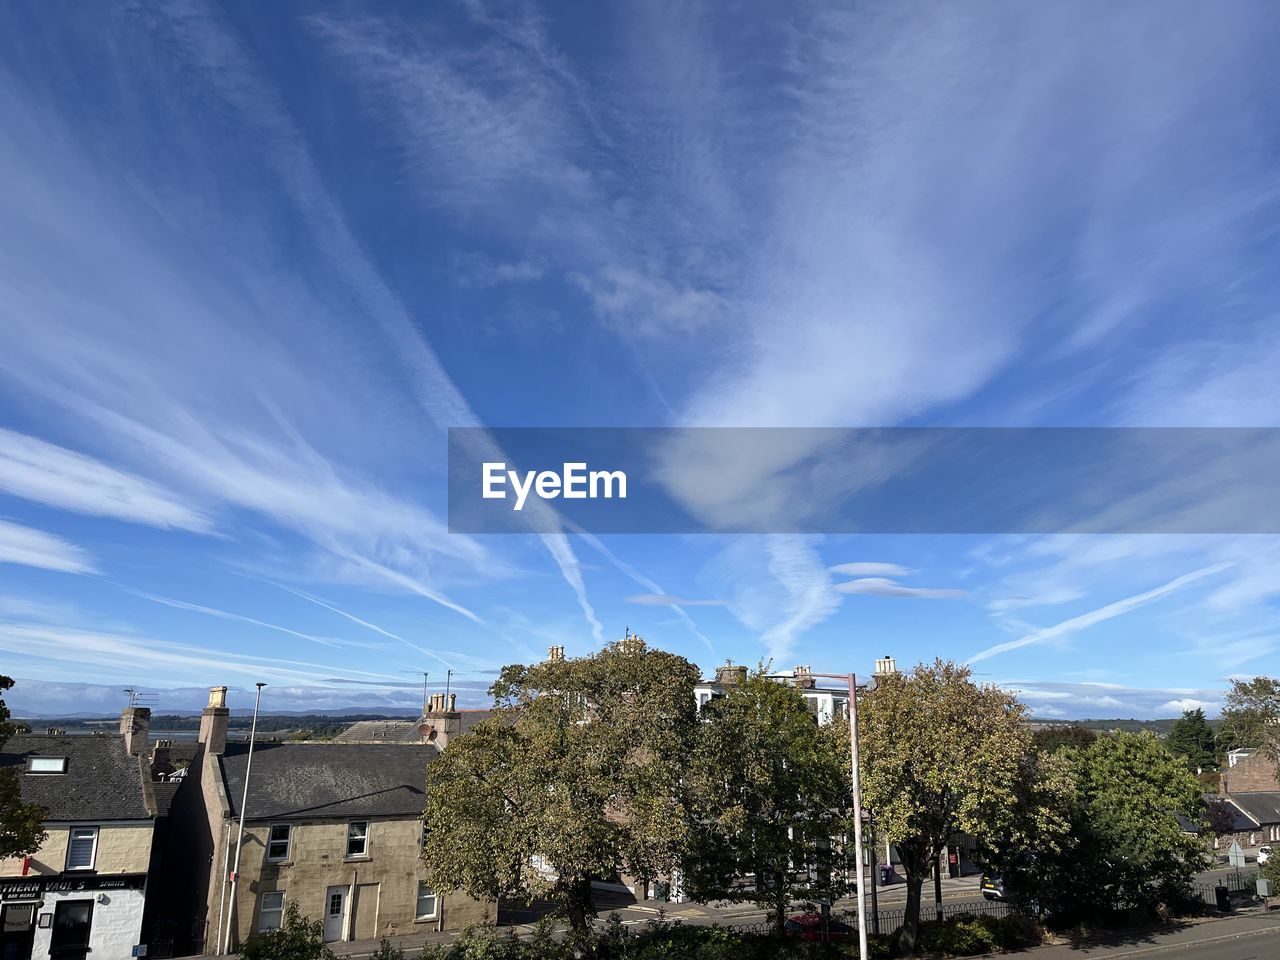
213,722
135,725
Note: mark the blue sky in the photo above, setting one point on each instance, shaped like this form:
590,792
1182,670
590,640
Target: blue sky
256,258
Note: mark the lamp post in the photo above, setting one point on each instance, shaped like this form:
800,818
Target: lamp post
244,799
852,680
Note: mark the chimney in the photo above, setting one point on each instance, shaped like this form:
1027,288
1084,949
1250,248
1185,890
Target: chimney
885,665
555,654
442,720
213,721
730,675
135,725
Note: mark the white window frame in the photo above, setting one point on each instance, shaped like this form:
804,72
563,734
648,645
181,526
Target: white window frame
263,910
288,842
423,891
364,837
93,849
47,765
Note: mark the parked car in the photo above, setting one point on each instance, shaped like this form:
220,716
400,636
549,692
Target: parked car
809,926
992,886
1264,854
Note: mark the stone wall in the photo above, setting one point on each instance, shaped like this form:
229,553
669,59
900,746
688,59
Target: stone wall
123,847
381,888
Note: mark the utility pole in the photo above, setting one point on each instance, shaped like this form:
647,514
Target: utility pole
852,681
244,799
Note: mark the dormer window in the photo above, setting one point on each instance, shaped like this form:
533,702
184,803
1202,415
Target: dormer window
46,764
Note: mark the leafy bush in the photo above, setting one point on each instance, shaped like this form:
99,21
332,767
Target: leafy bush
967,935
300,938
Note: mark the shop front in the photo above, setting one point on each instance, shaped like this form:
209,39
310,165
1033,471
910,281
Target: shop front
70,917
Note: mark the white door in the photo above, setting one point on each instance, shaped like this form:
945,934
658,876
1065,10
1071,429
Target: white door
335,913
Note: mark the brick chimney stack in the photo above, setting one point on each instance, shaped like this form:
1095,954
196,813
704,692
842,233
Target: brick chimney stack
213,721
555,654
135,725
442,720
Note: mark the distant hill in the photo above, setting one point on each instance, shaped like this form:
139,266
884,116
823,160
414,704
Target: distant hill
1159,727
267,723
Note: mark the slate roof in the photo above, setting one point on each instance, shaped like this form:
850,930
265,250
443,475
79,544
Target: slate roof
329,779
102,782
400,731
1262,806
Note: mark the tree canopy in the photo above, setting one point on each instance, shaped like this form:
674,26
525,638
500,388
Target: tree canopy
943,755
772,793
577,775
1191,737
1131,850
21,824
1251,716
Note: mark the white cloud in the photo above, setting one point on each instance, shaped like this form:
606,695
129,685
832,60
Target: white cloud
778,587
1190,703
53,475
1108,612
868,569
666,600
882,587
228,378
35,548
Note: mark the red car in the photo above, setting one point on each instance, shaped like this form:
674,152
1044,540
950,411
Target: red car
810,926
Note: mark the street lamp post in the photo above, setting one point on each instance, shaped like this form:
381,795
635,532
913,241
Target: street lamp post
244,799
852,680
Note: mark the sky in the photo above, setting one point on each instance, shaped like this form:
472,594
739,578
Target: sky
256,259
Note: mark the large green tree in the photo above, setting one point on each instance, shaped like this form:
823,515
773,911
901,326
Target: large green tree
21,824
941,756
577,775
1192,737
1251,716
773,800
1131,850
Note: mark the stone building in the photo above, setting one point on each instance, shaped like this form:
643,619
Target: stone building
83,893
334,826
1251,788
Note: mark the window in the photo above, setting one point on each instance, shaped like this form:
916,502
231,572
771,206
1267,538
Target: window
278,842
358,838
46,764
82,848
426,902
270,911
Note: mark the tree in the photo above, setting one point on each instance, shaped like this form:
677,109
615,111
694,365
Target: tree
300,938
577,775
1131,850
1219,818
1053,738
21,824
772,794
1192,737
1251,716
941,755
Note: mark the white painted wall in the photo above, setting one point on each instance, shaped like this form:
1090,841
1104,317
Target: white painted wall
117,923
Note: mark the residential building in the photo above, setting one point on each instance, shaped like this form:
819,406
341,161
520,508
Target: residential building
828,700
84,892
1251,788
332,825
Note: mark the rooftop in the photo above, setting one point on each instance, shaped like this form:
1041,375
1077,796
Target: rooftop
328,779
101,781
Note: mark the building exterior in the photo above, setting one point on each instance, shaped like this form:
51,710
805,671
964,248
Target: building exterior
1250,787
826,699
332,825
84,892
